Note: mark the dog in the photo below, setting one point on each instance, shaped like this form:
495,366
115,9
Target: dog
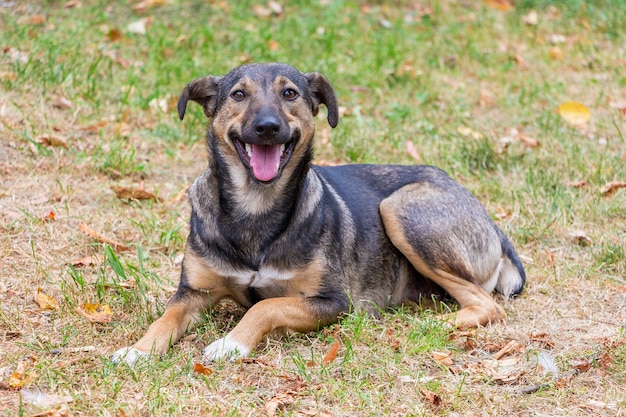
299,244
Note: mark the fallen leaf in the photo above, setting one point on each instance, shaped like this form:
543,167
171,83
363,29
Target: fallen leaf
512,347
556,53
273,45
519,60
577,184
52,141
610,188
49,217
22,375
279,400
556,39
442,358
503,5
15,55
45,301
95,313
467,132
72,4
275,7
574,113
201,369
531,18
580,238
88,260
59,411
118,247
114,34
412,150
261,11
529,142
332,354
61,102
95,127
433,399
144,5
140,26
132,193
31,20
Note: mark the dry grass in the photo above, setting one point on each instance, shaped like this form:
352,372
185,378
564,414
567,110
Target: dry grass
439,67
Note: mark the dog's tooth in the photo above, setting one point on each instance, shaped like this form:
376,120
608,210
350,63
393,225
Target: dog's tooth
277,165
249,150
282,149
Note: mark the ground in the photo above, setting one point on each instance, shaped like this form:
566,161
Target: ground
524,103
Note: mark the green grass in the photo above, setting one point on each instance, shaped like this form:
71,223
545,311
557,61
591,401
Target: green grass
428,72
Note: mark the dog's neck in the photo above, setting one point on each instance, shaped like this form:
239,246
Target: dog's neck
251,214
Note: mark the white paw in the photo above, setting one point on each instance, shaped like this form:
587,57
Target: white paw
128,355
225,348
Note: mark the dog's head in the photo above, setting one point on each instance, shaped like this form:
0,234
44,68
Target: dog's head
263,114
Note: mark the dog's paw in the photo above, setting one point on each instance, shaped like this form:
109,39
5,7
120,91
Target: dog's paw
225,348
129,355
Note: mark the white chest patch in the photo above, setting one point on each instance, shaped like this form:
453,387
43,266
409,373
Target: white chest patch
264,277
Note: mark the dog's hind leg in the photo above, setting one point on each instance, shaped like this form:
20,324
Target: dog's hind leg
448,237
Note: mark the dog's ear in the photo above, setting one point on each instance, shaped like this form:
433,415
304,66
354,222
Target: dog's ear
322,92
203,91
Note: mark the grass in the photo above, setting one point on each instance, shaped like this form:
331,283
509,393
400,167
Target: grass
468,84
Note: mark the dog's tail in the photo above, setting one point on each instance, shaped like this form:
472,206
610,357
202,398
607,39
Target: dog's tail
512,275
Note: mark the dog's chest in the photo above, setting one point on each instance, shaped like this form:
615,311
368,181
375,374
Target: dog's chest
265,277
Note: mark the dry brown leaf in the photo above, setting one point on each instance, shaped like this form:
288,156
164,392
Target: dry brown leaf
61,102
411,149
503,5
275,7
31,20
574,113
45,301
580,238
279,400
531,18
332,354
144,5
433,399
118,247
512,347
556,53
610,188
59,411
442,358
23,374
52,141
529,142
95,313
49,217
273,45
519,60
72,4
89,260
201,369
577,184
95,127
133,193
261,11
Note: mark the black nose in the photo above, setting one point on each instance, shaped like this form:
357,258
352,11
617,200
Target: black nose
267,127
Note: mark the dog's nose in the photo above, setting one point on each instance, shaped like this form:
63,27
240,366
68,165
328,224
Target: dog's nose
267,127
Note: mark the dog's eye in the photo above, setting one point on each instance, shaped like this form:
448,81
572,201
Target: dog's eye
238,95
290,94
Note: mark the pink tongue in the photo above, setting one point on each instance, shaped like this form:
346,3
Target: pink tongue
264,161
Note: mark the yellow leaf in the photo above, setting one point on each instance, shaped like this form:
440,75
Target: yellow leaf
45,301
95,313
201,369
574,113
332,354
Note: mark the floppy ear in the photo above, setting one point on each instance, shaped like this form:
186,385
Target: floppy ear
203,91
322,92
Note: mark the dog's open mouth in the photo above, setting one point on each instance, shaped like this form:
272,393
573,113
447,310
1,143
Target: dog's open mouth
264,161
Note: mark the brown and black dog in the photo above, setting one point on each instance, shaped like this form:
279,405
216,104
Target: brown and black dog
300,244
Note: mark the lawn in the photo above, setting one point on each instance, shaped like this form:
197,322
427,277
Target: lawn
522,102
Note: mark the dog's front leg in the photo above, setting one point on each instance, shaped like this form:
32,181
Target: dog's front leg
283,313
183,311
